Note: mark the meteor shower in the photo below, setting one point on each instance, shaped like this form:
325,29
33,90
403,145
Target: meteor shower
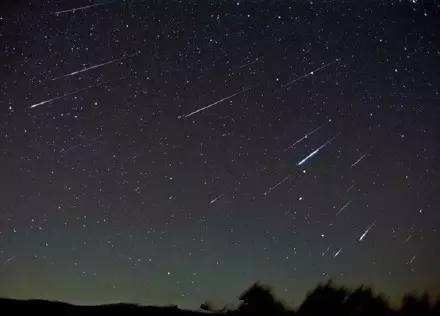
220,157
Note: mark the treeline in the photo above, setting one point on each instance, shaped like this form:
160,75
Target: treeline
329,299
325,300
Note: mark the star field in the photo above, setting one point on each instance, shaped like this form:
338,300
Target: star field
175,152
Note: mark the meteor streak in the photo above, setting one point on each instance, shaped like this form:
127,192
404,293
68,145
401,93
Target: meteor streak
94,67
359,160
60,97
277,185
80,8
349,188
311,73
257,60
215,199
304,137
343,207
411,260
213,104
75,92
366,232
10,259
316,151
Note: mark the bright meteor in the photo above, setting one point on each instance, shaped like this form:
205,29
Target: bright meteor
316,151
358,160
60,97
362,237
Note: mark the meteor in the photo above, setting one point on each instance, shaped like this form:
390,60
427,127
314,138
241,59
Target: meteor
409,262
60,97
73,10
311,73
215,199
80,8
343,207
366,232
349,188
10,259
94,67
316,151
98,84
277,184
304,137
359,160
86,69
213,104
257,60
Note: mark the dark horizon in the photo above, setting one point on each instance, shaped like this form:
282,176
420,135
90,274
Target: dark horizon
234,302
259,299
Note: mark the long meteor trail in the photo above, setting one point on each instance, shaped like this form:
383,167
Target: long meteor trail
304,137
362,237
60,97
277,184
94,67
96,85
306,75
256,60
73,10
315,152
343,207
358,160
80,8
215,199
213,104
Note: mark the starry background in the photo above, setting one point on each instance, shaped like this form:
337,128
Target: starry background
113,189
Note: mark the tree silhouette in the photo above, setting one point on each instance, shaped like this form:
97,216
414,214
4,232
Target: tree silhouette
414,305
259,300
325,299
206,306
436,307
363,302
209,307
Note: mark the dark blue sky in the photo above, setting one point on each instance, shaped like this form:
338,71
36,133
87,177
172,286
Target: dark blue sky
176,152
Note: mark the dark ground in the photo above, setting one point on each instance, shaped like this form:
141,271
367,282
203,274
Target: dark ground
325,299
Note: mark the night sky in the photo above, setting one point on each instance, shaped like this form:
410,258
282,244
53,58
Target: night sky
176,152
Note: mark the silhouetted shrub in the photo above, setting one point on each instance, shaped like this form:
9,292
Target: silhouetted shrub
414,305
436,307
259,300
363,302
209,307
325,299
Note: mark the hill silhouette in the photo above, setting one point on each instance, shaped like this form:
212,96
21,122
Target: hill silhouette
325,299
